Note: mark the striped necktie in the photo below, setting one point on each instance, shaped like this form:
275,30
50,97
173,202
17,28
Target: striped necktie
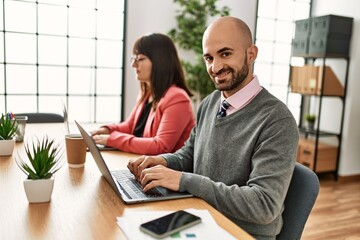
222,112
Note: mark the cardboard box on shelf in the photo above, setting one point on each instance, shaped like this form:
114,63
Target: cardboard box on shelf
308,80
326,155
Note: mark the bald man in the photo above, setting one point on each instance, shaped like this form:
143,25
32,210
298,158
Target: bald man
241,154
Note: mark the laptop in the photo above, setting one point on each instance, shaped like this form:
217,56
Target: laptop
67,128
123,181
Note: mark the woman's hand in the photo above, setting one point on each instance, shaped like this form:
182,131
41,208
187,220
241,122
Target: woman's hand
100,135
101,130
101,139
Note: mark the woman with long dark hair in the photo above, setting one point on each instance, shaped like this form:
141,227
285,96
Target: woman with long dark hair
162,118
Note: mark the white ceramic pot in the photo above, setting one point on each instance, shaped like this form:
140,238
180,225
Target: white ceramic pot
7,147
40,190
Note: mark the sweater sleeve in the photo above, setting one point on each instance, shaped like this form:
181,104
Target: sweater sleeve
182,160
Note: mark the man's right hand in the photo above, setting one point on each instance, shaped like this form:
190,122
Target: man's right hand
136,166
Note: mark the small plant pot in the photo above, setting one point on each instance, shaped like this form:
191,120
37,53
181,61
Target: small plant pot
311,125
7,147
38,191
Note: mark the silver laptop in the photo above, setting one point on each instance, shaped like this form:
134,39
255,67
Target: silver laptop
123,181
67,128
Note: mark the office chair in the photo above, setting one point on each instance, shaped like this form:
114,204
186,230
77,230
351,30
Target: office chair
42,117
300,199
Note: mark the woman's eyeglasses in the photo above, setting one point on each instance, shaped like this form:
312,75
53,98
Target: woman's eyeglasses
136,59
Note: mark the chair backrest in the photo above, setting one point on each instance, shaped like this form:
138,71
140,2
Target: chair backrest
300,199
42,117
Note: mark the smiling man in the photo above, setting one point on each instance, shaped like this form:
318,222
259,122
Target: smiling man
241,154
223,61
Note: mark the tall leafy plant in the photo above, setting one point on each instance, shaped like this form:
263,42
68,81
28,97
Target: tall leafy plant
192,21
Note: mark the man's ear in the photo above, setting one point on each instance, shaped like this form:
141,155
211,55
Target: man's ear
252,53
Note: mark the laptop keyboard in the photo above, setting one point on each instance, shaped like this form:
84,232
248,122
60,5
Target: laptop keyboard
132,187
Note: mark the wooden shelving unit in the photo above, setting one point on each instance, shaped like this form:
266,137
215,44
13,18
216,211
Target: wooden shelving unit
312,151
317,40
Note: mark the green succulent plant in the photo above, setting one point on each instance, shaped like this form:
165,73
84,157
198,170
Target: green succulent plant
8,127
45,159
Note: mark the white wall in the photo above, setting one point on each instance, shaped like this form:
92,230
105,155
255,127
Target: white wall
144,17
350,152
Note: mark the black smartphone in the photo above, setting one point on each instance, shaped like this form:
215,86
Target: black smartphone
169,224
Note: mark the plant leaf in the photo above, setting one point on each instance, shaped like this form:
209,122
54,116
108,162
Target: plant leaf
44,158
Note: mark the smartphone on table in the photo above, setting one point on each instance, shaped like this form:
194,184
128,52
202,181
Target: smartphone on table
169,224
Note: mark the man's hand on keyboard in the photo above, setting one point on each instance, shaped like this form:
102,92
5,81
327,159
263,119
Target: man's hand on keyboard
136,166
160,176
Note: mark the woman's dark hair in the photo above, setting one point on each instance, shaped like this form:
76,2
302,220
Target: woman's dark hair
166,67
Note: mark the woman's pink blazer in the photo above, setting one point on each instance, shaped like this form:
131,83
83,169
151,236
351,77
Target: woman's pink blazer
166,129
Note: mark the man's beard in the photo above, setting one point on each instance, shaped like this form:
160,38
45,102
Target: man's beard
237,80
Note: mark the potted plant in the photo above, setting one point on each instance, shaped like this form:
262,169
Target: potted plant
45,160
191,24
8,128
310,119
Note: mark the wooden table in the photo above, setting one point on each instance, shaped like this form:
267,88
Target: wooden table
83,205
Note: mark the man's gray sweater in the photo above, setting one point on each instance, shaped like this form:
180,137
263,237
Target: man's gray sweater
241,164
